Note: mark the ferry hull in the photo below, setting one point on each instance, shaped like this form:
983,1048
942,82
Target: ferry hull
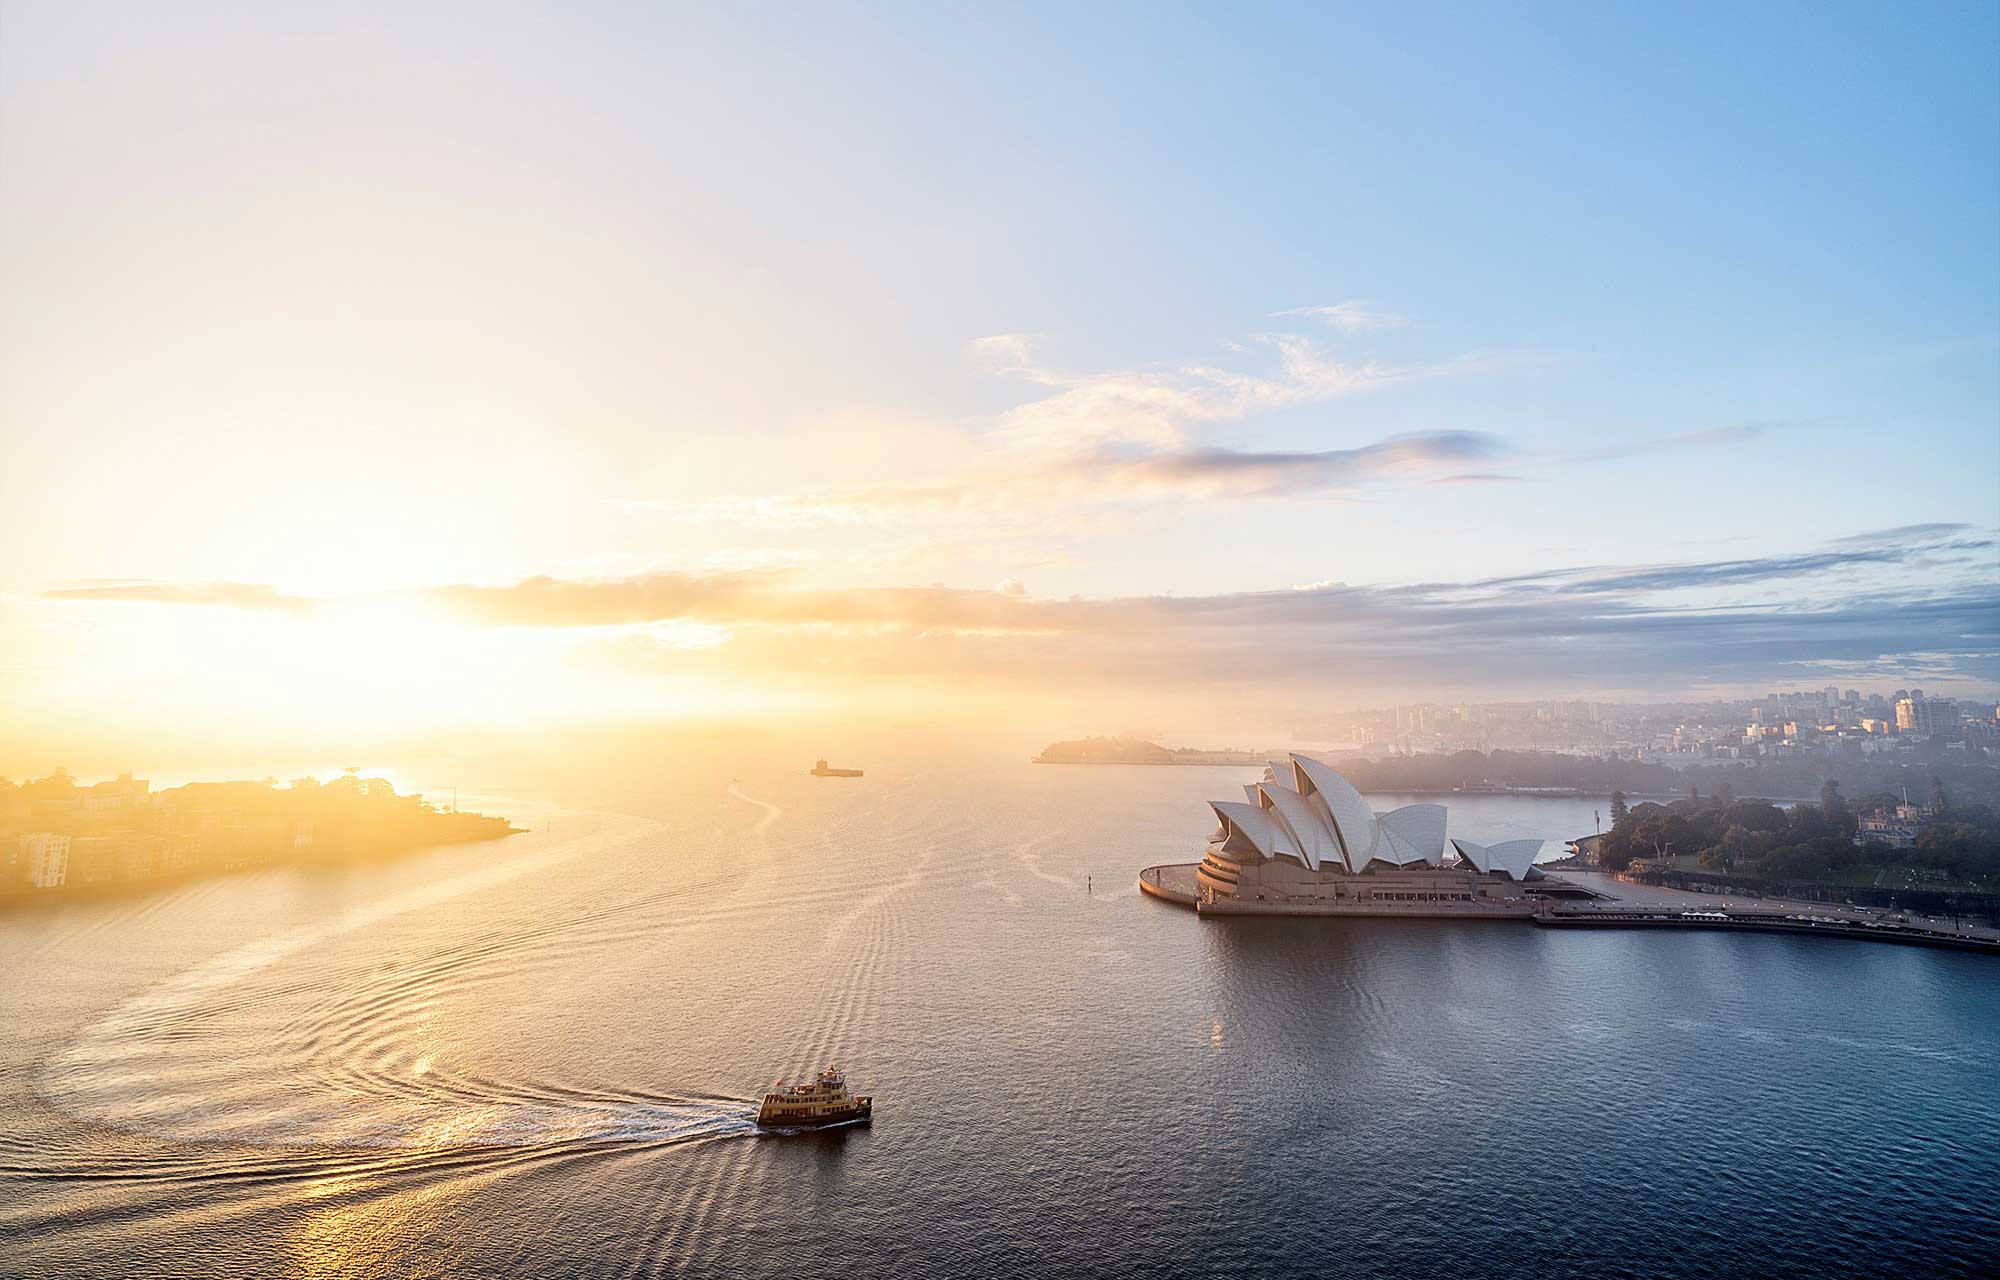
771,1119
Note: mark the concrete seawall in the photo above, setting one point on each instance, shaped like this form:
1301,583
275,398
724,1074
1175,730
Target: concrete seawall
1172,882
1650,908
1902,935
1175,883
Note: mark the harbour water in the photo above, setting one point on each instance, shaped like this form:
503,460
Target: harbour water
542,1056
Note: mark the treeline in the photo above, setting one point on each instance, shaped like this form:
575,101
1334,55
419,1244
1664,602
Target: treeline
1105,751
1971,781
1139,751
1807,842
124,832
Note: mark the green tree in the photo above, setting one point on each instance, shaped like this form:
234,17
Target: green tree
1940,802
1666,834
1620,811
1808,822
1615,852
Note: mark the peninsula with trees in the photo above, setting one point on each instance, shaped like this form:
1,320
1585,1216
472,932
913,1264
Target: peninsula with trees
1881,849
1140,751
59,836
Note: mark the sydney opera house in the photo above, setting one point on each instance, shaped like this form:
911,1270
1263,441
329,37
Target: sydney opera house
1303,841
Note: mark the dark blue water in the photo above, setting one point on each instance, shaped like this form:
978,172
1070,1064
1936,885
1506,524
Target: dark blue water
540,1057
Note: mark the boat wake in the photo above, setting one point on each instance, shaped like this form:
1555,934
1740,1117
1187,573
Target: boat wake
197,1057
771,812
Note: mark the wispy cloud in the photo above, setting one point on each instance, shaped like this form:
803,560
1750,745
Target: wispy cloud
1245,474
1479,477
1004,353
1137,435
231,595
1090,441
1357,316
1706,438
1850,607
1906,533
1909,545
1161,406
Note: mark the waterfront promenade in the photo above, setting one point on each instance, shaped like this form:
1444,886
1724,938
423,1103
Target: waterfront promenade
1618,904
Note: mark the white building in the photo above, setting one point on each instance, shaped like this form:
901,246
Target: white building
1304,840
45,859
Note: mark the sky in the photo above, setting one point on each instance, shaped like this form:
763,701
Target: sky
364,368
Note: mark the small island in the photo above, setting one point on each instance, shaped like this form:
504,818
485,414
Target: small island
58,836
1139,751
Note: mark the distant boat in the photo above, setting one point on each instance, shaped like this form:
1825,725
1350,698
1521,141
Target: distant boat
820,769
824,1101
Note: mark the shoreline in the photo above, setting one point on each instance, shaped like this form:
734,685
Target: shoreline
27,897
1653,908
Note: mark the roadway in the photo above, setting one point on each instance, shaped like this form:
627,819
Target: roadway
1646,897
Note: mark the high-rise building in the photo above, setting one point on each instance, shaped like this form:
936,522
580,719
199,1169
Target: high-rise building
1927,716
45,859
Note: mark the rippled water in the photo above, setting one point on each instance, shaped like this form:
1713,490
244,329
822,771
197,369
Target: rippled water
542,1057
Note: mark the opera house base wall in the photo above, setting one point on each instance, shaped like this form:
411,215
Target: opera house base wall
1447,893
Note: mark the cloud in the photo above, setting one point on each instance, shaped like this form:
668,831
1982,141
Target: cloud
1349,317
1708,437
1326,644
1215,472
649,597
1851,552
1161,406
1092,440
748,599
1478,477
1004,353
232,595
1658,627
1113,473
1904,533
1641,626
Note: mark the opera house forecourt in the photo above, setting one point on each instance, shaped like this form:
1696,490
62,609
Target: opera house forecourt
1304,842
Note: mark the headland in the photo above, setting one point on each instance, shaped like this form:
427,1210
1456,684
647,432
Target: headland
60,838
1305,843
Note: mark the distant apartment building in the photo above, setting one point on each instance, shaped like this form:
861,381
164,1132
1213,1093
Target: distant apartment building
44,859
1927,716
119,855
1898,827
123,793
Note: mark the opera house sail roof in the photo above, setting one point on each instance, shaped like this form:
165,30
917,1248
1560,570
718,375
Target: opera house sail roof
1514,859
1304,811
